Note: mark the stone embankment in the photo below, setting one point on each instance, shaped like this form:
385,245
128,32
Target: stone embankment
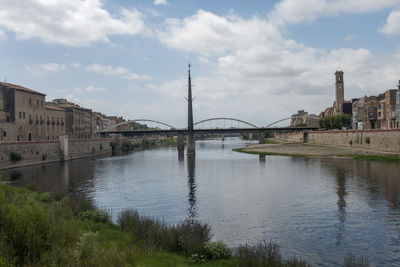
367,143
31,153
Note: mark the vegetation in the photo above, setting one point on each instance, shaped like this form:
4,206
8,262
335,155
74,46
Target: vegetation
15,156
335,122
45,229
367,140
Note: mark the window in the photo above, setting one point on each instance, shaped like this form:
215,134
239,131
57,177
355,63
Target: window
20,115
30,100
23,115
8,119
4,134
41,102
37,102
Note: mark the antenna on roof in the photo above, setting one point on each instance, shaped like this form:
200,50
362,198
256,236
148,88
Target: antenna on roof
5,79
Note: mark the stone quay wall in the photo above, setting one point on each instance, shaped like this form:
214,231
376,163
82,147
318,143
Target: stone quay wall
51,151
384,140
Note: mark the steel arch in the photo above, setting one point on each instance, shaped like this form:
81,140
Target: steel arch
275,122
232,119
129,121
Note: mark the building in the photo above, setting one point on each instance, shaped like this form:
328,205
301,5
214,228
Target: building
339,90
78,120
398,105
22,113
54,121
302,118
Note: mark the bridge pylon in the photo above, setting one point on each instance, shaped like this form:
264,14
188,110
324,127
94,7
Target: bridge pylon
191,139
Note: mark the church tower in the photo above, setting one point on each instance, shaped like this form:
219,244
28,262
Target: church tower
339,92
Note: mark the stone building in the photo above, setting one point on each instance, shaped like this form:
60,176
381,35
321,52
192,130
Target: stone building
78,120
390,109
302,118
54,121
339,92
398,106
22,113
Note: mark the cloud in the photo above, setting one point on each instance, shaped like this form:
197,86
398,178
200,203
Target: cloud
69,23
160,2
90,89
294,11
42,69
247,63
115,71
392,26
351,37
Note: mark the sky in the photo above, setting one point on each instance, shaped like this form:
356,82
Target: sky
258,61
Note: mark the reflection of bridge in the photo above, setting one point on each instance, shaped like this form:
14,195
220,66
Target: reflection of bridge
190,131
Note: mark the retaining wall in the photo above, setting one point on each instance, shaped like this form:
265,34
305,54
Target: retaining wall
50,151
385,140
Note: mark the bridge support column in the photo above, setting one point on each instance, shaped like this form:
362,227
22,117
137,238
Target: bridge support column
181,142
223,137
191,144
250,136
261,137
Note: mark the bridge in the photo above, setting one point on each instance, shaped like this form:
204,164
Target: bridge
190,131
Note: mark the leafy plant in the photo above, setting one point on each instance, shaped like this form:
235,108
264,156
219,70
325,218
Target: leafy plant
196,259
368,140
99,216
217,250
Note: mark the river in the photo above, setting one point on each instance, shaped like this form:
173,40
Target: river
317,209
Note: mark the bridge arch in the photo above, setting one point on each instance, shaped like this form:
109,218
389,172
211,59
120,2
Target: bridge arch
278,121
136,120
232,119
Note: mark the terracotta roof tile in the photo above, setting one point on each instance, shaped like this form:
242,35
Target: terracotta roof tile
21,88
54,108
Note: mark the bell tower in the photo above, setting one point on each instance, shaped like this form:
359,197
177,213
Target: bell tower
339,84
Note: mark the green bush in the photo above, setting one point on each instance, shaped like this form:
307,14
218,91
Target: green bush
368,140
217,250
351,142
127,146
196,259
192,236
99,216
15,156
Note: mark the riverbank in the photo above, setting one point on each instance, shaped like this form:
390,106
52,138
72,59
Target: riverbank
46,229
279,148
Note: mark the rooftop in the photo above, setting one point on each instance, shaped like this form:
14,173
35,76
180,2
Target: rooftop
20,88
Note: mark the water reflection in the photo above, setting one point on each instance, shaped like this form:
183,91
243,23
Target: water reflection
341,203
191,165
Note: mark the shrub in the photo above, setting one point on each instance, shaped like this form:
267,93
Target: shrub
192,235
351,142
217,250
262,254
15,156
99,216
86,252
127,146
196,259
367,140
26,229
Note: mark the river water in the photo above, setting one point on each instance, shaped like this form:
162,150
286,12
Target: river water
314,208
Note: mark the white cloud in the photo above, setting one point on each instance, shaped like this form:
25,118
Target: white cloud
69,23
90,89
250,64
160,2
115,71
351,37
42,69
294,11
392,26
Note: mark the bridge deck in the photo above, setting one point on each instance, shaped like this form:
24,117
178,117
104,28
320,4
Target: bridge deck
211,131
